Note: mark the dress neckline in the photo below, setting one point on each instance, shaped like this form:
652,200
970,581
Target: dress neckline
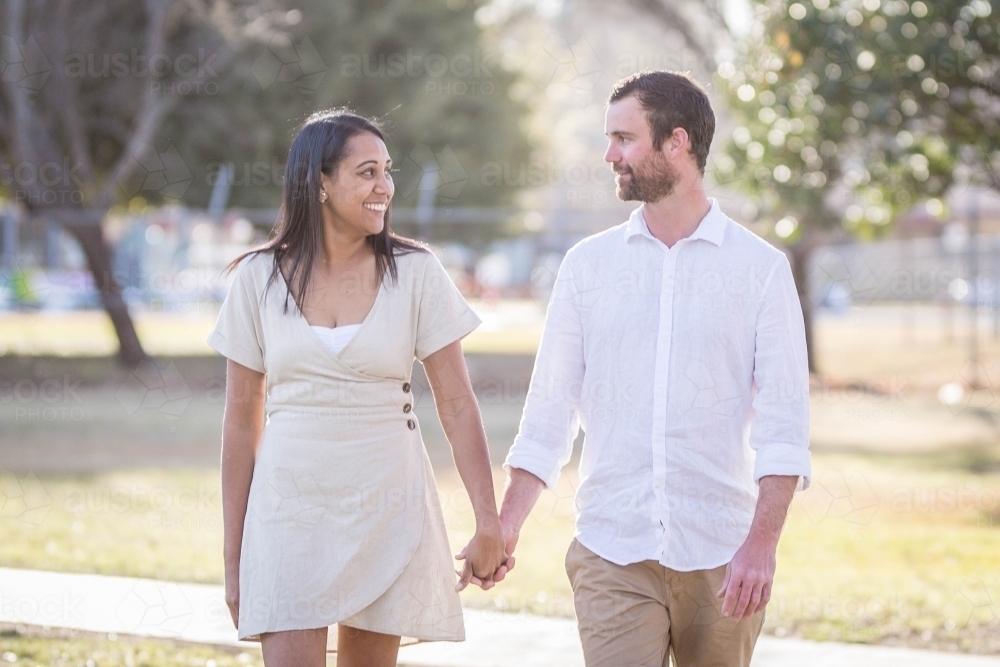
315,335
337,328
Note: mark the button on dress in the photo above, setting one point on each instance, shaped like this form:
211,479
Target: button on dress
343,523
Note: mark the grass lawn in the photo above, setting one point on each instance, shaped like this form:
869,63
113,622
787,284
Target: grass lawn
898,541
883,549
35,647
899,347
896,550
165,334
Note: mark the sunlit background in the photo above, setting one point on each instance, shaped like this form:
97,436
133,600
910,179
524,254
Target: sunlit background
142,146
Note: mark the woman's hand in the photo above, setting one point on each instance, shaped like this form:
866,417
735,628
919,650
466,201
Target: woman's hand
483,557
510,542
233,594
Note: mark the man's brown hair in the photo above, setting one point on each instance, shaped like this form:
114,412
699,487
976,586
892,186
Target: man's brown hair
672,100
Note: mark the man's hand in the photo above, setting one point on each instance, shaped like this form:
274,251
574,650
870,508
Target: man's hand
522,491
746,587
510,535
510,541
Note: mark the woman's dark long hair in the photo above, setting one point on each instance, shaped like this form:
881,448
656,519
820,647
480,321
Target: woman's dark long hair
318,148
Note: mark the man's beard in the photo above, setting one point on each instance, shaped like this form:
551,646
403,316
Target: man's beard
650,181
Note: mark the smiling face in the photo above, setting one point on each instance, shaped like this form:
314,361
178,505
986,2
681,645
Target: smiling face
643,172
358,193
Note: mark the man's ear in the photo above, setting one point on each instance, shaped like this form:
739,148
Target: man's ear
677,143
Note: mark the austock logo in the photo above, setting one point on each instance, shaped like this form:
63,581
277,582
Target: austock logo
23,498
573,67
442,170
299,64
841,495
153,171
976,602
157,608
23,64
151,388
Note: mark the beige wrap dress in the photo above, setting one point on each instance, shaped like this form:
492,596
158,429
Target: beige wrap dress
343,523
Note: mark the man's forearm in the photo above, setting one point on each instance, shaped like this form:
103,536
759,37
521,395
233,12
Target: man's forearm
775,496
519,497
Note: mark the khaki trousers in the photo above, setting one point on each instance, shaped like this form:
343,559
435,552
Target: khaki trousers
642,614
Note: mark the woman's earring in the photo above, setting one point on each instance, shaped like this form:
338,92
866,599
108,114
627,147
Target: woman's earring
322,196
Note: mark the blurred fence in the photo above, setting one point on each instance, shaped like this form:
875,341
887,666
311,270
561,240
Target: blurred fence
175,256
955,268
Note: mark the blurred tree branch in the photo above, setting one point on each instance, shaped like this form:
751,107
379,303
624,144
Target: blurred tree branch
129,103
700,23
84,137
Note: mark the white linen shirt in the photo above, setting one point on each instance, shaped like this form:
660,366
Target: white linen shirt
686,367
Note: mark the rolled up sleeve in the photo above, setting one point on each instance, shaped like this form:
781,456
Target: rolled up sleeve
780,430
550,421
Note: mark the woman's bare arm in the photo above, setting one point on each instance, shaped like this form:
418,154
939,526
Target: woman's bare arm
242,426
463,425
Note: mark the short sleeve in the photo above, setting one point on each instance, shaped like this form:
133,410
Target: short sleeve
238,333
443,316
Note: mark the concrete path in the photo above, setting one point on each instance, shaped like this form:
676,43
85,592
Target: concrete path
197,613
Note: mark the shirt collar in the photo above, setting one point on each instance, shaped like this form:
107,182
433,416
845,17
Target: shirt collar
712,227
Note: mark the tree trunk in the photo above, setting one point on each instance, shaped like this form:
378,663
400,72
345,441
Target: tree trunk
98,255
801,253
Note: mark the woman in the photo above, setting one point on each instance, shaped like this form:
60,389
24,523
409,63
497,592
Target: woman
331,512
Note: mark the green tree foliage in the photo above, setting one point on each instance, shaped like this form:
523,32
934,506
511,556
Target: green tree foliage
424,68
121,101
850,112
85,88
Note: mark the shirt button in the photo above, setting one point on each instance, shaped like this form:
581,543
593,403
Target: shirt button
406,387
407,407
411,424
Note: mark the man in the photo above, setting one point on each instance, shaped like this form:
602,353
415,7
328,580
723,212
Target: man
676,340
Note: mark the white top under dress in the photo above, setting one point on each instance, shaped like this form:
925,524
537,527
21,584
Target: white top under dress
335,338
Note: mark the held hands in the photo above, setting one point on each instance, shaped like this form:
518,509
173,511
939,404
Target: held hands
487,574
